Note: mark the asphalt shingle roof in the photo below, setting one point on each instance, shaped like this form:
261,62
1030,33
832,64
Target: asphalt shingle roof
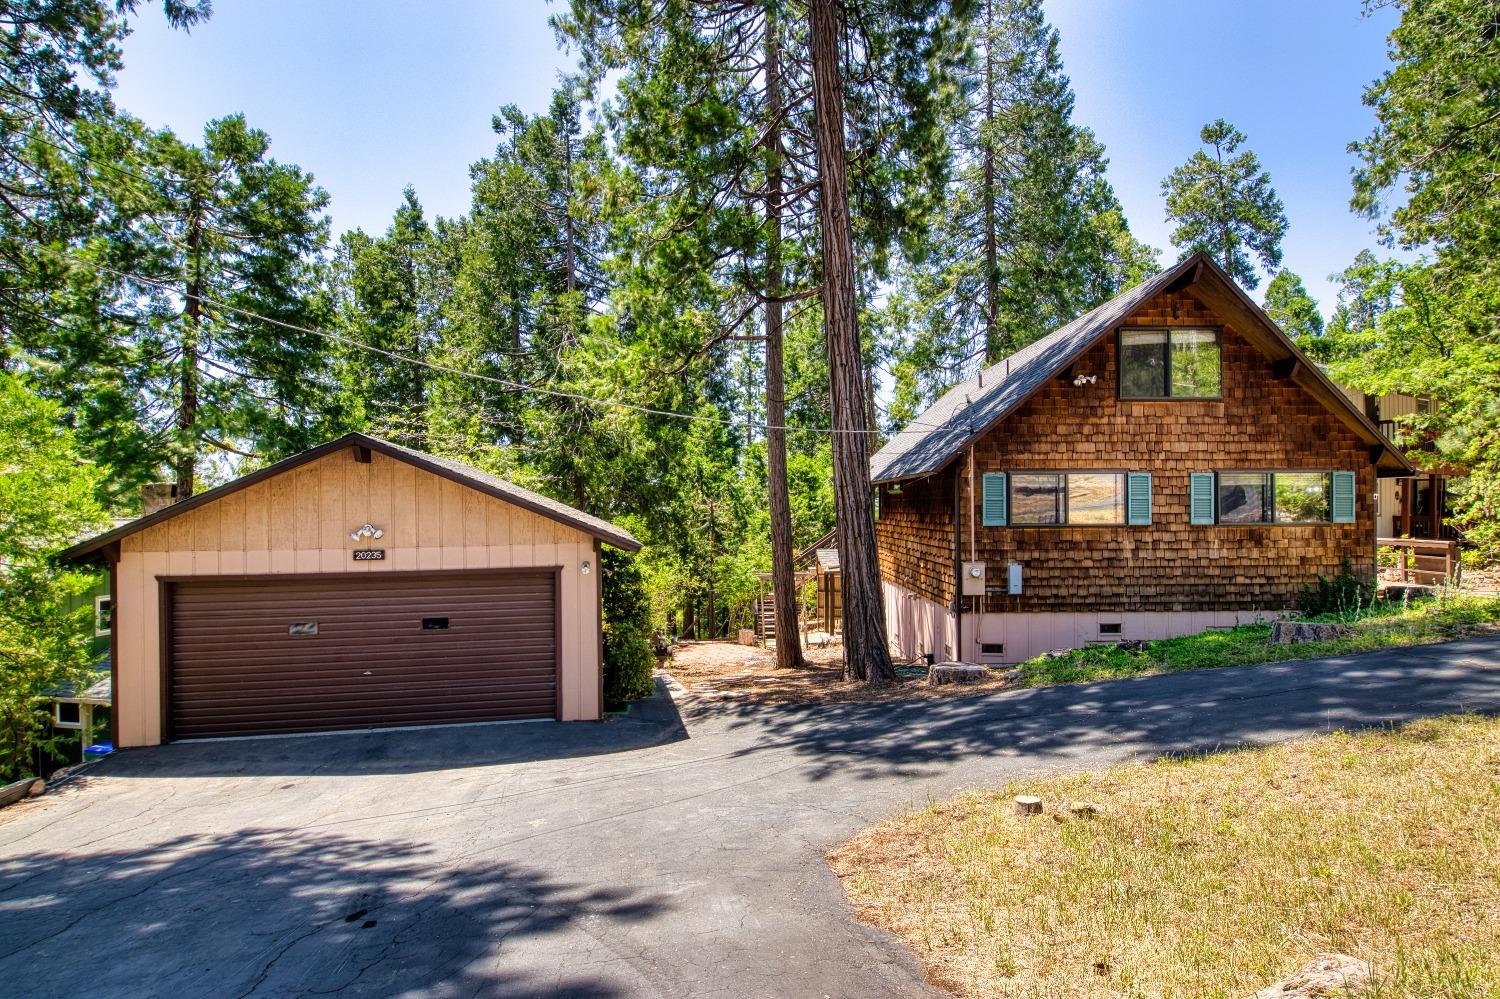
974,405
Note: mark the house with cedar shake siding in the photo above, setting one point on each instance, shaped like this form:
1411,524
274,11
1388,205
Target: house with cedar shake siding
1167,463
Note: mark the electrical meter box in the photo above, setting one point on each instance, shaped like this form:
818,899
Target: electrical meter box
973,582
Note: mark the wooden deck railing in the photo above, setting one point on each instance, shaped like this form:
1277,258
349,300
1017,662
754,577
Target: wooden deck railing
1425,561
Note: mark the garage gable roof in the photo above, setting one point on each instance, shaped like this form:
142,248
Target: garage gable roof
457,471
973,407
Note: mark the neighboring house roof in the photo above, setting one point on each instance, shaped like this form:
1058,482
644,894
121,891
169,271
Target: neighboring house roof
456,471
974,406
828,558
99,690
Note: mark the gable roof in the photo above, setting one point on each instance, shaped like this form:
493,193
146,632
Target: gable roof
976,405
456,471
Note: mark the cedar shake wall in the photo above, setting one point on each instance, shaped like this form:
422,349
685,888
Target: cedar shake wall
1261,423
914,536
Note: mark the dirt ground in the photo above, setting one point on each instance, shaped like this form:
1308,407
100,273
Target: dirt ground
724,670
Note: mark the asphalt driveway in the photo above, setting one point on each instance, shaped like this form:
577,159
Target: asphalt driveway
644,857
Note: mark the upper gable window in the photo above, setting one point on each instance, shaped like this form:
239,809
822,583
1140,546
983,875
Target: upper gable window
1170,364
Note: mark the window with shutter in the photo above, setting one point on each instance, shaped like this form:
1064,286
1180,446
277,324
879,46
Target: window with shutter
993,508
1202,500
1343,497
1138,499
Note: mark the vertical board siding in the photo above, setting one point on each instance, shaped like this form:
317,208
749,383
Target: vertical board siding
300,522
1171,565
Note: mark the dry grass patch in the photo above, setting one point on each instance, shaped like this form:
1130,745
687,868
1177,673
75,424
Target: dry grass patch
721,670
1209,876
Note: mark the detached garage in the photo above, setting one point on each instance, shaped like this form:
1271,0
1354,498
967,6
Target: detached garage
357,585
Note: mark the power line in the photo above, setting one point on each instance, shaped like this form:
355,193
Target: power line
507,383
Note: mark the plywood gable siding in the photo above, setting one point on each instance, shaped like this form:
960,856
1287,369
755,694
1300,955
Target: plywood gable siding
1260,423
301,521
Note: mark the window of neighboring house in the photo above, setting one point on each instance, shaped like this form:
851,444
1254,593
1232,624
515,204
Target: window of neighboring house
1042,498
68,715
1273,497
1170,364
104,610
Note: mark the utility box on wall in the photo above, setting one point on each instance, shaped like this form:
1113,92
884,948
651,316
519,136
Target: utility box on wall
973,580
1013,579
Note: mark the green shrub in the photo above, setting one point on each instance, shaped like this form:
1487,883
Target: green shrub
1344,595
1474,559
627,630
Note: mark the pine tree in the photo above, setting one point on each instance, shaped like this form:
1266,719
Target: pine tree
1030,234
383,289
1293,309
1428,327
58,60
1224,205
215,262
906,48
704,121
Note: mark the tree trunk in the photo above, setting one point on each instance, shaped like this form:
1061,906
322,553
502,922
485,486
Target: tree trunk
783,574
713,612
995,346
866,653
187,407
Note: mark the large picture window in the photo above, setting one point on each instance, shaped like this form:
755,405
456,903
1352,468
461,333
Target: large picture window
1042,498
1170,364
1274,497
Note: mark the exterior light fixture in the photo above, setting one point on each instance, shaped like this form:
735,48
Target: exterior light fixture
584,568
367,531
1085,379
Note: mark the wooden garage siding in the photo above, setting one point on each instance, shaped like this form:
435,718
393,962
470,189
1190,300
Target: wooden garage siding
299,523
235,669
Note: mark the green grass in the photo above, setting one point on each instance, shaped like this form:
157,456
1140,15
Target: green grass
1383,626
1208,877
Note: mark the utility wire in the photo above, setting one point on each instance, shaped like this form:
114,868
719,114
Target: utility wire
477,376
506,383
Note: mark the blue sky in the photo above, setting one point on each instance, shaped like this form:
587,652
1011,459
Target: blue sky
369,97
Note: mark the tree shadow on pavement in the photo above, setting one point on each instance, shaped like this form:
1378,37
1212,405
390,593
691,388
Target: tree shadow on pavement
653,721
1148,716
281,911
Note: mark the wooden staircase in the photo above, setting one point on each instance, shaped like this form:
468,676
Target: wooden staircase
765,619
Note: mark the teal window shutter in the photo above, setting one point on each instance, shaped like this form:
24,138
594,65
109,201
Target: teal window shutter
993,512
1138,498
1343,498
1202,503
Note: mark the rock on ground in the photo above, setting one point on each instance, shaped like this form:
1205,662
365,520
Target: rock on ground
956,673
1324,977
1291,632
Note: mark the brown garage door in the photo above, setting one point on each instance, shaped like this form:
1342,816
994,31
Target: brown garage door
308,654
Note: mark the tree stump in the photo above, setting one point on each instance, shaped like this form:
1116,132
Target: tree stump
1028,804
1293,632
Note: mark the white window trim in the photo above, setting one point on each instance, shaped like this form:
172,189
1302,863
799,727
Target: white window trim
101,599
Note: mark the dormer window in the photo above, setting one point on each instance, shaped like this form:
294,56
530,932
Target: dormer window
1170,364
